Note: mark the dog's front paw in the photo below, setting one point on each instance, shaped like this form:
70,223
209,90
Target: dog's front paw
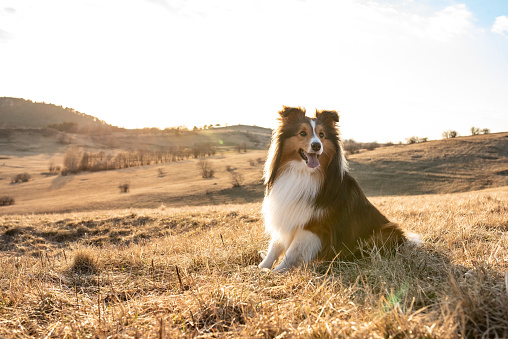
262,254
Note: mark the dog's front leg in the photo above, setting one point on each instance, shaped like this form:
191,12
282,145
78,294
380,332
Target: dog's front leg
304,247
274,251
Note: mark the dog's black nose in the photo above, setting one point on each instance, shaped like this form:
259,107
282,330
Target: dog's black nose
316,146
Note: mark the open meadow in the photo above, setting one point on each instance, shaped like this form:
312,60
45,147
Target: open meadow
177,255
173,272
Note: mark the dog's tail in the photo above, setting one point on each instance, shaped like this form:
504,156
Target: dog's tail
413,238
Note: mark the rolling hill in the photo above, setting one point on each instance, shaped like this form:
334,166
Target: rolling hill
21,113
435,167
440,166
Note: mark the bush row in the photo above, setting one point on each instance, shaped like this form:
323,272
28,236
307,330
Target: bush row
77,161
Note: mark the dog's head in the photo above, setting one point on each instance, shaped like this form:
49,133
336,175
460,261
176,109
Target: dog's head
310,143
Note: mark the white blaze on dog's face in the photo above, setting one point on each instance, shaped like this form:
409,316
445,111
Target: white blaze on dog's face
306,145
312,146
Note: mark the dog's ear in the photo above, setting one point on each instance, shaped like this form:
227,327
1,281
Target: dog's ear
328,117
289,113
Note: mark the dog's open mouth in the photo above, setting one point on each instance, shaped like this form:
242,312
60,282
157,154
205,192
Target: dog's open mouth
311,159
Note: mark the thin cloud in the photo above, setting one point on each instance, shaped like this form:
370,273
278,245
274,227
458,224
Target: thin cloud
4,36
451,22
6,12
166,5
500,25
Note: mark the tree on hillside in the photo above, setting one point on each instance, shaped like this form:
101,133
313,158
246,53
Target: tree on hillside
70,127
485,131
450,134
415,140
72,159
475,130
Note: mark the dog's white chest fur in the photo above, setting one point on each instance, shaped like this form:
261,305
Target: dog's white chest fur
289,205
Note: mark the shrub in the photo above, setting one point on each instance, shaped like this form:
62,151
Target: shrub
70,127
475,130
229,168
485,131
124,188
6,201
53,169
450,134
236,179
242,147
206,168
252,162
351,146
370,146
65,139
72,159
85,262
23,177
84,162
415,140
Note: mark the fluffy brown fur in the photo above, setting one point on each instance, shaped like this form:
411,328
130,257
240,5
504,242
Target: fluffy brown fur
344,217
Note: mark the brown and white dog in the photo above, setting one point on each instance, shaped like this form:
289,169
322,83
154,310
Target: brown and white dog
313,208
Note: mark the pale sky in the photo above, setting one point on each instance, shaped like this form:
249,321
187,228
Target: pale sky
393,69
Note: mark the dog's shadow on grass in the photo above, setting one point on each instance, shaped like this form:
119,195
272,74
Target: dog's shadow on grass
422,278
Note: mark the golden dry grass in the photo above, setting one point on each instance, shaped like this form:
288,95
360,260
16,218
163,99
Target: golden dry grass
191,272
176,184
460,164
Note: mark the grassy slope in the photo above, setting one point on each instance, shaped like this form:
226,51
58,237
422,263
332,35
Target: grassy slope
32,152
17,112
440,166
114,273
181,184
443,166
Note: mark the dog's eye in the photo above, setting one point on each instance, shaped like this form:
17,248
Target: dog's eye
321,135
303,133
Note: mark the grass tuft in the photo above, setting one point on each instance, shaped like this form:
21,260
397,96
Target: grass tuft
85,262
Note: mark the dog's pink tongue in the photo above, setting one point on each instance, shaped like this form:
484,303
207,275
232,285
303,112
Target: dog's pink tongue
313,161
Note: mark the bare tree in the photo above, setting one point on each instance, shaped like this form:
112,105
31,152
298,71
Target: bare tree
450,134
236,179
475,130
72,159
206,168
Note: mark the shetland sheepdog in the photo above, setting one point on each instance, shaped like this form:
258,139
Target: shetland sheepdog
313,208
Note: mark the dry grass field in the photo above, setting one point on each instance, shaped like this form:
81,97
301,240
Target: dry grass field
172,184
441,166
176,256
173,272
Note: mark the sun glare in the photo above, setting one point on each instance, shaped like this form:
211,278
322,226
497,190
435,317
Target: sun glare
158,63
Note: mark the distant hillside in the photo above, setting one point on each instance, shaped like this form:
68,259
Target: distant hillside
16,112
441,166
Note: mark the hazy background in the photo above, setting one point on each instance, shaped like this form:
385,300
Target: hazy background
392,68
